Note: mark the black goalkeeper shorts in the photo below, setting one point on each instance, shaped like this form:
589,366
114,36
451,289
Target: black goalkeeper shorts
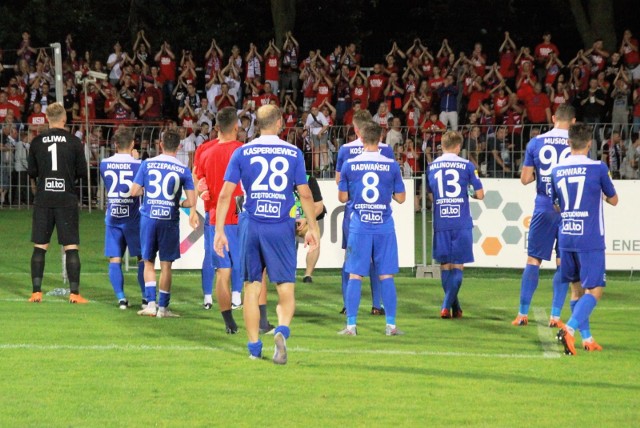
63,219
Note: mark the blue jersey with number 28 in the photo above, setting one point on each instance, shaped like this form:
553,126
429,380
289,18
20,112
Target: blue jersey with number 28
163,178
269,169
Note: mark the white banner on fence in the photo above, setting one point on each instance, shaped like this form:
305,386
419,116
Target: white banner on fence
331,252
501,225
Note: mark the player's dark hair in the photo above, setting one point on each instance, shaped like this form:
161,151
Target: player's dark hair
451,139
226,118
371,133
579,135
565,113
171,140
124,138
361,117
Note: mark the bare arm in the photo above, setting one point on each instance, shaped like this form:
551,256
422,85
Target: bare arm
527,175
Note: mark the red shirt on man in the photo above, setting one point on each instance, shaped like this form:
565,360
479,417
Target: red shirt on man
377,83
361,93
536,107
323,93
199,163
167,68
271,64
265,99
216,165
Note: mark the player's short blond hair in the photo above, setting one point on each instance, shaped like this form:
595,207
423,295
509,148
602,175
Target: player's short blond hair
267,116
451,139
371,133
360,118
56,112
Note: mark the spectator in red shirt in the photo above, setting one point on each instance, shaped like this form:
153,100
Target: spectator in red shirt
377,82
412,113
598,56
272,67
432,131
478,59
393,94
322,86
167,72
253,60
224,99
5,106
629,50
507,61
355,106
290,117
477,94
359,88
36,120
267,97
213,61
150,105
542,53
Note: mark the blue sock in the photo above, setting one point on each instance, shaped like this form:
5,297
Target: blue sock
389,299
255,348
237,280
582,311
376,287
528,286
150,291
455,283
345,281
444,279
286,332
572,305
560,290
449,295
208,273
354,290
117,279
165,297
585,327
141,278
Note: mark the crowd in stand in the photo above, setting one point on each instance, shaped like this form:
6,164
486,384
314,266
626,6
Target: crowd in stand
497,99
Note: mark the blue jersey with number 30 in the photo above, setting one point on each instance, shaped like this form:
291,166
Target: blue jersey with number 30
578,185
118,172
543,153
371,179
163,178
449,178
269,169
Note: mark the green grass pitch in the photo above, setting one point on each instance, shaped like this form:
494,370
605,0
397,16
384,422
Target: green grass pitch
94,365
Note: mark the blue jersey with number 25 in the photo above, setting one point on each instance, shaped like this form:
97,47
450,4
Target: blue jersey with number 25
269,169
163,178
118,172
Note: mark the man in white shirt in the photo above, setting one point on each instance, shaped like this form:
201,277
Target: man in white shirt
318,127
186,148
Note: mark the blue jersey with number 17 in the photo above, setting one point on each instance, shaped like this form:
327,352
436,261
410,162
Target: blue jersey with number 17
163,178
543,153
118,172
371,179
269,169
578,185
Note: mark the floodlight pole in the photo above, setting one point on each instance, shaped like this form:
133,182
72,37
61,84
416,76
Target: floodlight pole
59,84
87,146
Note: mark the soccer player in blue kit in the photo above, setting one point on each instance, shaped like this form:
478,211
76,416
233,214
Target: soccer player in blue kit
543,153
369,182
346,152
579,185
451,181
163,178
269,169
122,217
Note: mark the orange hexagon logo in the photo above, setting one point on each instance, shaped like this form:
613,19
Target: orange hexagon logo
526,222
491,246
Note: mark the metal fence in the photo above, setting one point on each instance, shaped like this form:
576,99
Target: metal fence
414,149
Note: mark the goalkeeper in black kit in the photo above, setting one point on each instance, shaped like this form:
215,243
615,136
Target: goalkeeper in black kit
56,160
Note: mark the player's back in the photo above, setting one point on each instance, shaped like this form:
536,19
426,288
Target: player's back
56,159
354,148
448,180
270,169
372,179
163,177
118,172
216,163
543,153
578,185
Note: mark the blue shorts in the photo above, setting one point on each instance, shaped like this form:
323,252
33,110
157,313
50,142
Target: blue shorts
209,235
121,236
587,267
346,221
543,235
159,236
453,246
268,245
232,257
364,247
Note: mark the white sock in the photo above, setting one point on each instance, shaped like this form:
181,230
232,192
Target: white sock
236,298
391,326
208,299
351,326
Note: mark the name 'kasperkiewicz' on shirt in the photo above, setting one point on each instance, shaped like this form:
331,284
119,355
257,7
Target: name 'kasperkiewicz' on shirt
118,172
371,179
269,169
449,177
163,178
578,185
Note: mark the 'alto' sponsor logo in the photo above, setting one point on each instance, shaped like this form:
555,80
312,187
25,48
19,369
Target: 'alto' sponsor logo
119,211
160,213
572,227
450,211
54,185
371,216
268,209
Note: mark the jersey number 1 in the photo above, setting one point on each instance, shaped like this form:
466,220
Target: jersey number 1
54,156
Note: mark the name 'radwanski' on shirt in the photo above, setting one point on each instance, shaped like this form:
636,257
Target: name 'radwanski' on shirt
269,151
165,165
369,167
448,165
54,139
564,172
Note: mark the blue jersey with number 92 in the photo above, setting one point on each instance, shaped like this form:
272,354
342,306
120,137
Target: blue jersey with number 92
269,169
118,172
163,178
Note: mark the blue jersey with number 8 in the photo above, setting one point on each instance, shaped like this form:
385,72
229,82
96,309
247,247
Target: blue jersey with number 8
269,169
543,153
163,178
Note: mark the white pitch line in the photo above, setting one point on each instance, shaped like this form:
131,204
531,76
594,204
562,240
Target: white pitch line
116,347
547,339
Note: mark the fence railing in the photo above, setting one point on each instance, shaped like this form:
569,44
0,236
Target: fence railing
414,148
